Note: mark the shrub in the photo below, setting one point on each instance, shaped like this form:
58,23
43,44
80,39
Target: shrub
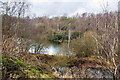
85,46
58,36
76,34
51,35
55,36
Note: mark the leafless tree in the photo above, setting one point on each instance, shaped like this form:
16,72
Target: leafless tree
109,39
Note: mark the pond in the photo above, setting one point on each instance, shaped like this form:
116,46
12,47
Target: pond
51,49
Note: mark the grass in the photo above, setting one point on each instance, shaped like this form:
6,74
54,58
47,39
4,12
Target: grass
64,61
19,69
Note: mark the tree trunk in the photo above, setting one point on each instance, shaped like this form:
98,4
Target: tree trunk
69,35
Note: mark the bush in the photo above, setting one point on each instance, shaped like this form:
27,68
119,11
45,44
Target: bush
76,34
58,36
51,35
55,36
85,46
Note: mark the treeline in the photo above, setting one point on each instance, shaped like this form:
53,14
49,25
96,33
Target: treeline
67,29
57,28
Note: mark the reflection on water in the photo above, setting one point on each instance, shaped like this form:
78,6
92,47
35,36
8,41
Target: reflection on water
32,49
51,49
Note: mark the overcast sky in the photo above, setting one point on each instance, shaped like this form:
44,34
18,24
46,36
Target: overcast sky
69,7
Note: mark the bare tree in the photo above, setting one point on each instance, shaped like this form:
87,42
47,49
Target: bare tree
12,11
109,40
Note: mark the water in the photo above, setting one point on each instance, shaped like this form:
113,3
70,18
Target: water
51,49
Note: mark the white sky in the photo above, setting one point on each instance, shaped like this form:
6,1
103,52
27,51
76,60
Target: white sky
69,7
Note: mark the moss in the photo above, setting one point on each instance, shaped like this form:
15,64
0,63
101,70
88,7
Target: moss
19,69
38,68
35,68
9,64
20,62
4,61
19,74
47,76
12,62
